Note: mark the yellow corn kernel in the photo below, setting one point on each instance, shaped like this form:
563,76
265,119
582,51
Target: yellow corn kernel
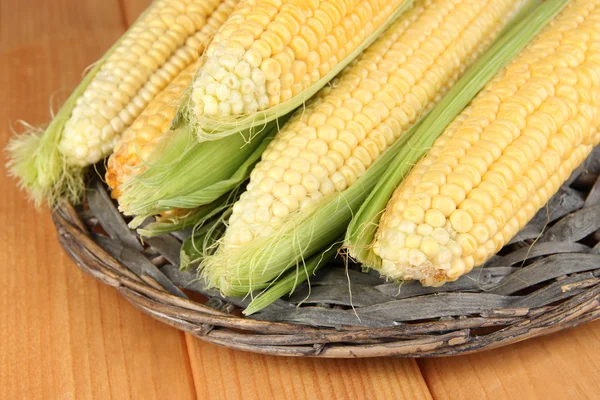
363,124
140,139
297,41
519,158
170,36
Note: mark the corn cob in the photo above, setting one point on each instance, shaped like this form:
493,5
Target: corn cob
181,189
138,141
271,55
141,138
168,37
501,159
328,145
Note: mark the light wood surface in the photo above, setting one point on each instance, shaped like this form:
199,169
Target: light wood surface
65,336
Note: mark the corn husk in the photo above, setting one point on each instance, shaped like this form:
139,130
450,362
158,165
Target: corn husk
256,265
185,174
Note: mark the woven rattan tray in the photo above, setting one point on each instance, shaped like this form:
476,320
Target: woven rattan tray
547,279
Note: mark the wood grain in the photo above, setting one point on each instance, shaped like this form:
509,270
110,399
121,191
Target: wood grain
564,365
246,375
62,334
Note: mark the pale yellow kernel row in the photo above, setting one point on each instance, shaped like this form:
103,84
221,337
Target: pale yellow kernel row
330,143
268,53
139,140
152,53
502,158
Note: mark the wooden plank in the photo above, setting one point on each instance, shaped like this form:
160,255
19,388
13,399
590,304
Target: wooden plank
62,334
25,23
221,373
565,365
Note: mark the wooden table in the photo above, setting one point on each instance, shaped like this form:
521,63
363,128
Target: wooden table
65,336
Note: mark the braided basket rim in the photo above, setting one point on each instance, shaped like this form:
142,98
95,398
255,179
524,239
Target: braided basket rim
439,337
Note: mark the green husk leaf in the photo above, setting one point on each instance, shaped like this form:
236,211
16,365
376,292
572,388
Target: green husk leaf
197,217
212,129
191,250
240,175
290,281
525,9
36,160
190,174
361,231
255,265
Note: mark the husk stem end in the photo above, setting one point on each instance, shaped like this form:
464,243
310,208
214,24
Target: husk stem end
42,170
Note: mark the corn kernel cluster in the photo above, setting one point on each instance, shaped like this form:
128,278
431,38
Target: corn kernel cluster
269,51
501,159
327,146
140,139
154,51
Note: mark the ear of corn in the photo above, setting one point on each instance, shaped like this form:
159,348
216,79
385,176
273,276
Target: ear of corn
169,36
316,162
133,150
501,159
271,56
139,140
